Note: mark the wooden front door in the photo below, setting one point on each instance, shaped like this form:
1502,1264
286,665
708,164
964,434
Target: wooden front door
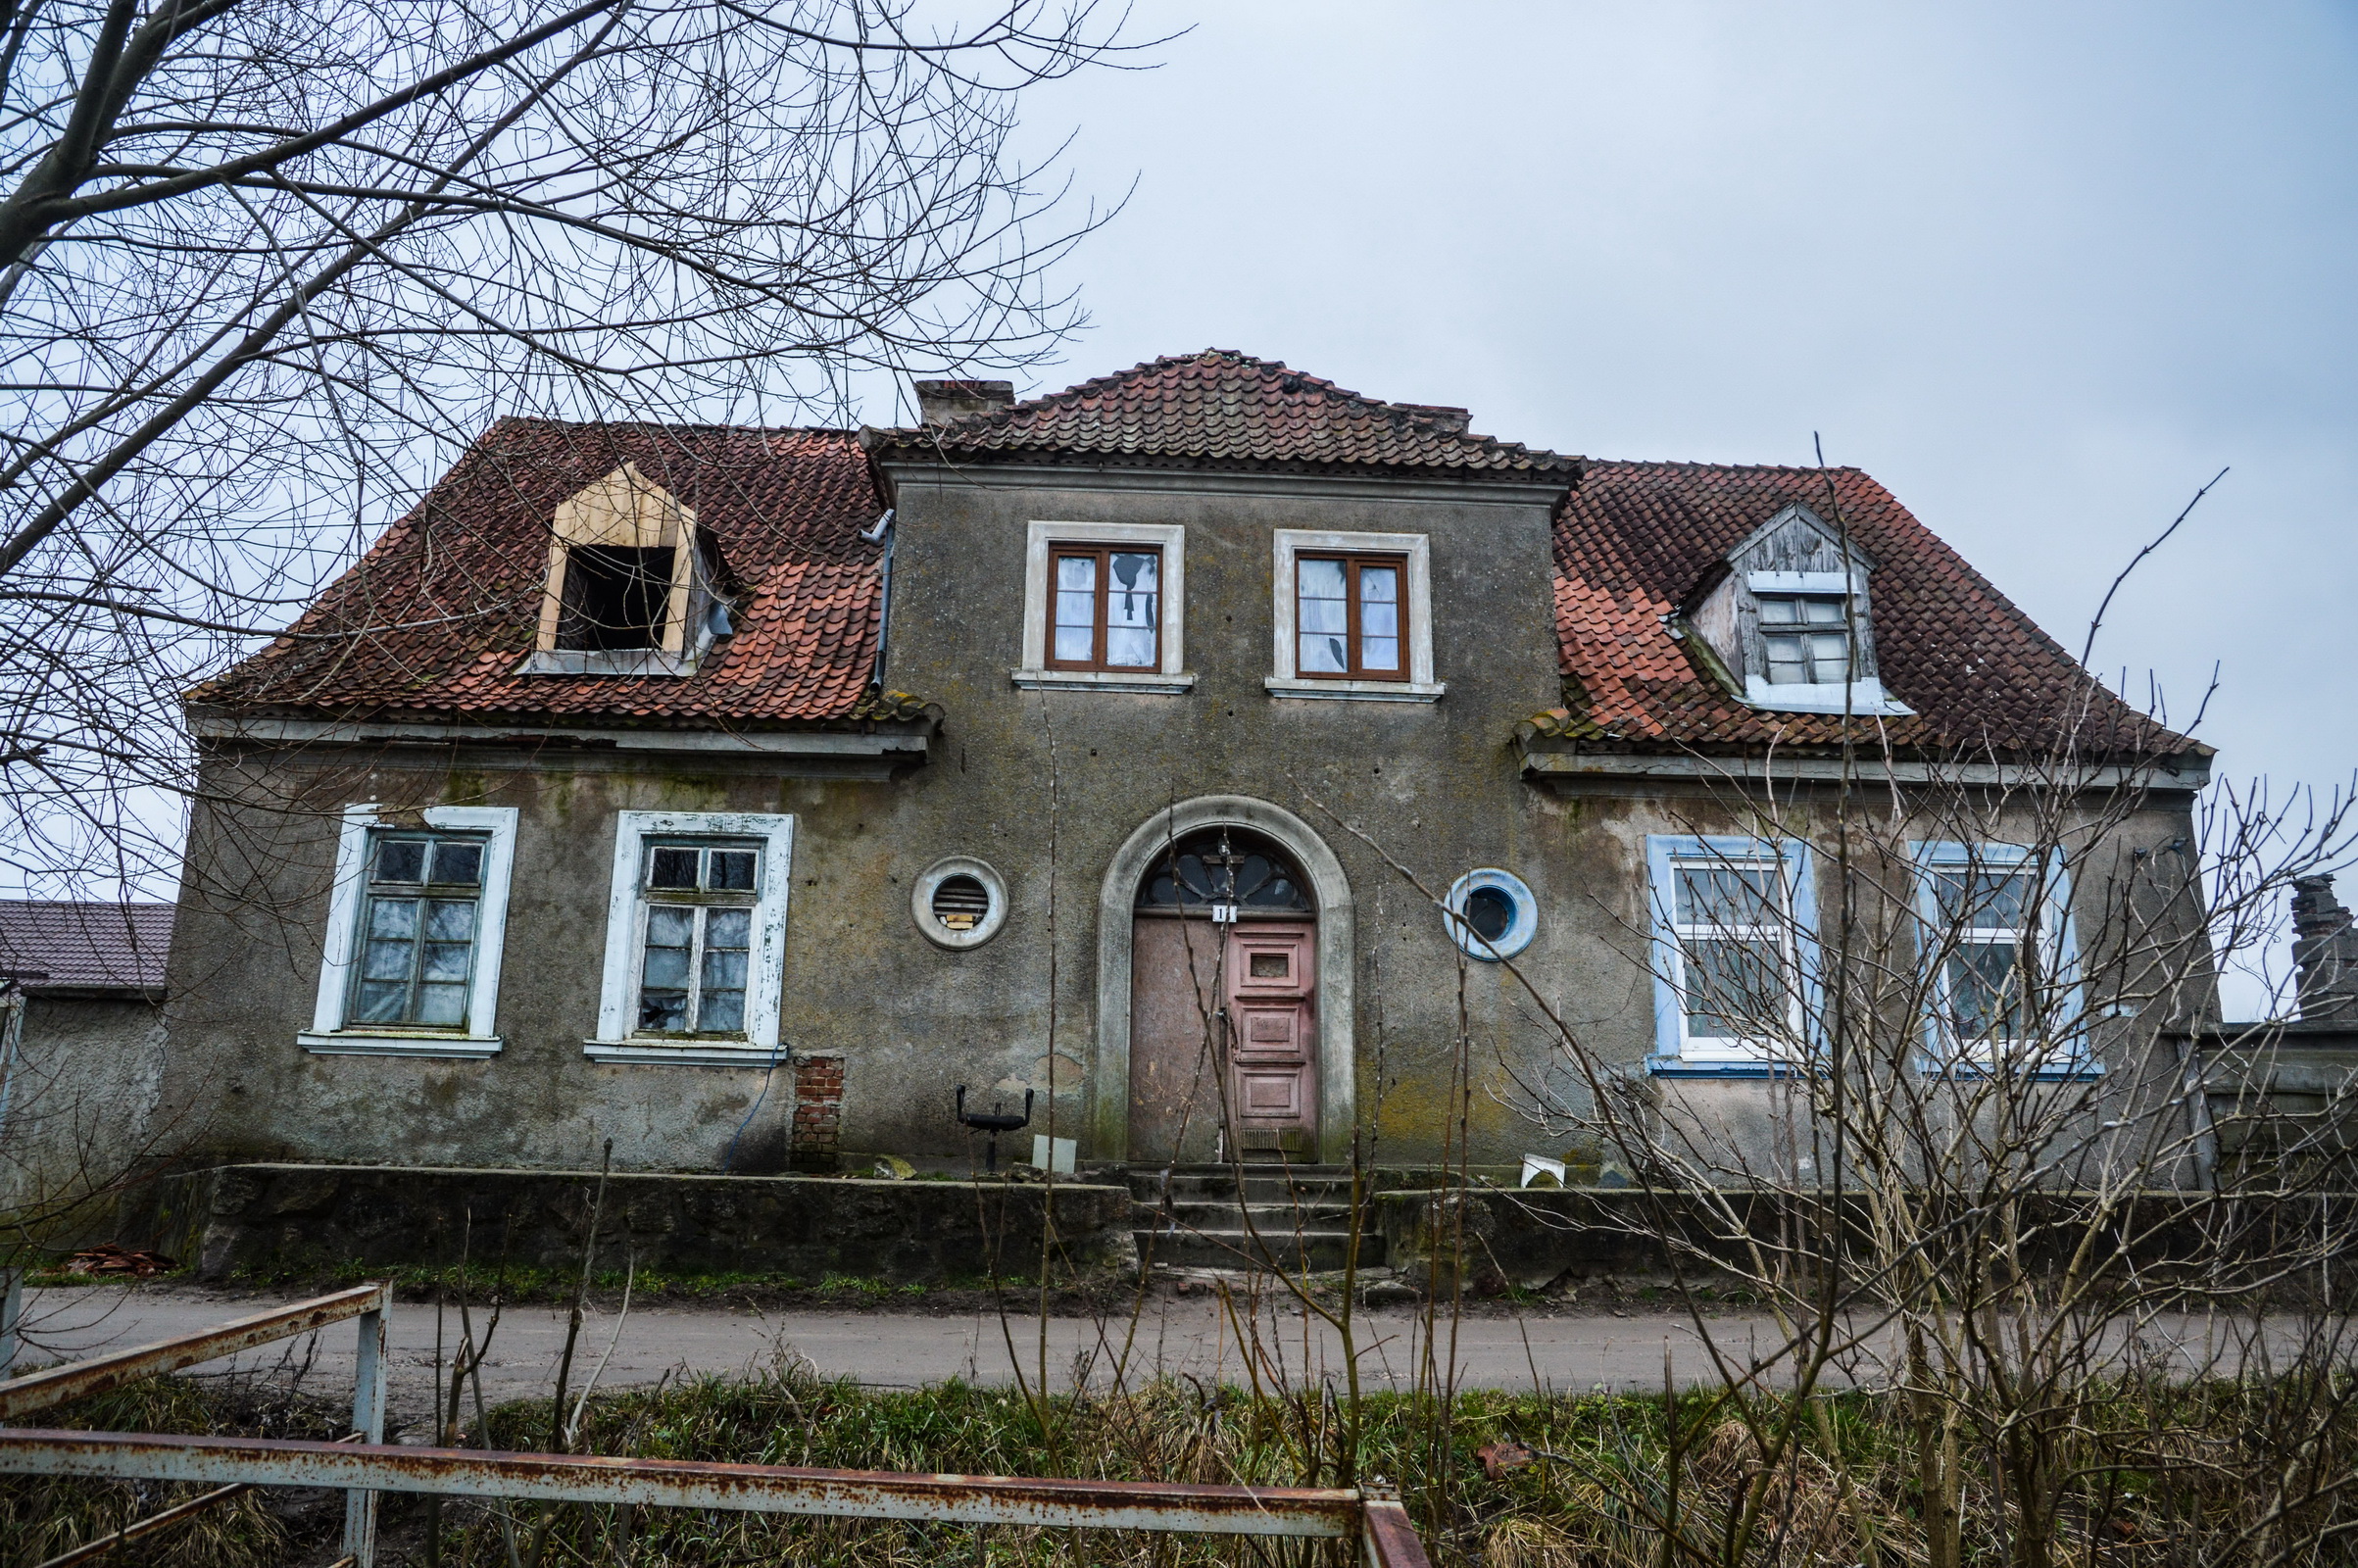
1273,1039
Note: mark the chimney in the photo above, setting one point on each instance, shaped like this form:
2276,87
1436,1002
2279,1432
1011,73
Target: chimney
940,402
2324,952
1440,416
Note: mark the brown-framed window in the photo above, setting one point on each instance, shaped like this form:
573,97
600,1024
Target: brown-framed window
1347,618
1106,607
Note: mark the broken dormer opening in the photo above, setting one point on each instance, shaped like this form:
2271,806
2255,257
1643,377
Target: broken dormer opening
632,585
1787,619
615,597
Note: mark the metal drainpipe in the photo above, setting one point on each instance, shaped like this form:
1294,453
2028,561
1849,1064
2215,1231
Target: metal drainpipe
883,530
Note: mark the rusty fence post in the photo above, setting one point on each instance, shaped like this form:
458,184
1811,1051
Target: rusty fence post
369,1421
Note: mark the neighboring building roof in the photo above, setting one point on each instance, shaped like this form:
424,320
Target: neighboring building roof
437,615
1228,410
58,946
1635,540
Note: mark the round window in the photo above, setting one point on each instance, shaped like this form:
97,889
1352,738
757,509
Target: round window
1491,915
960,902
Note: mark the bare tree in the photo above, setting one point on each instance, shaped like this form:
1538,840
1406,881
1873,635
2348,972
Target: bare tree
267,265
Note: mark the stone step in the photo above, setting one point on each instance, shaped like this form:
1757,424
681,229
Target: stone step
1318,1251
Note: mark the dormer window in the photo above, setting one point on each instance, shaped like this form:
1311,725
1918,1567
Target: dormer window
1786,620
631,584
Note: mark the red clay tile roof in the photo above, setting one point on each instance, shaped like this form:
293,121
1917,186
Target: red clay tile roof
456,586
1221,408
1636,538
62,946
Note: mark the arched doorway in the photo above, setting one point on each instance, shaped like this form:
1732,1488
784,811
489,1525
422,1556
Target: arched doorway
1223,919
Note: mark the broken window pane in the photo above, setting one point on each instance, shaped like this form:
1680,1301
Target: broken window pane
732,870
1131,609
615,597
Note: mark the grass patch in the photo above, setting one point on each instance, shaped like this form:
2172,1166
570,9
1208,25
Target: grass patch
42,1516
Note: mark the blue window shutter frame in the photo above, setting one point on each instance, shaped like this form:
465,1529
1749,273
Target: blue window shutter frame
1800,870
1933,854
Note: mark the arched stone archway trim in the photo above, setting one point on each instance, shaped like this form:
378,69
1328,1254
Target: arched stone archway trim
1338,1076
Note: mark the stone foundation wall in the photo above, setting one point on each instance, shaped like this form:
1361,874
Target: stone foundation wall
267,1217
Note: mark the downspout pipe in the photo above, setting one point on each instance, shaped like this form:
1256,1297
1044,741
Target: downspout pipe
882,529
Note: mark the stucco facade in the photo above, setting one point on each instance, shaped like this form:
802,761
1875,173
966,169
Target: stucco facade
1067,790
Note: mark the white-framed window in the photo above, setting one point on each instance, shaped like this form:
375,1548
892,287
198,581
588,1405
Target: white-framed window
958,903
1491,913
2002,958
695,939
1353,617
417,920
1104,608
1734,924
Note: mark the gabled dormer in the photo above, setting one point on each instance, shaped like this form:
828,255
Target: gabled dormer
632,585
1788,619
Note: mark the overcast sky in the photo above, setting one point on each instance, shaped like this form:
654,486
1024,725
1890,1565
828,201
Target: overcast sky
2042,269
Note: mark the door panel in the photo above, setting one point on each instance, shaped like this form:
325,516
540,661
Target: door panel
1174,1097
1274,1059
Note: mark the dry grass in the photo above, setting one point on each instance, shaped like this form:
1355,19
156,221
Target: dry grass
2168,1477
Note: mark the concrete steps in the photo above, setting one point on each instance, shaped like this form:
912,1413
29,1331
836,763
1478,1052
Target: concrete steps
1295,1218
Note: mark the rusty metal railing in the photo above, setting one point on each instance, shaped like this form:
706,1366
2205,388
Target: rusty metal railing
79,1380
1373,1515
364,1468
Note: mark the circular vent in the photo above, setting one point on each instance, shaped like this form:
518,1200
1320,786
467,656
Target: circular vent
1491,915
958,903
961,902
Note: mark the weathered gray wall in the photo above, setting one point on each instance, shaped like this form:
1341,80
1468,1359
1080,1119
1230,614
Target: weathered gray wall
82,1098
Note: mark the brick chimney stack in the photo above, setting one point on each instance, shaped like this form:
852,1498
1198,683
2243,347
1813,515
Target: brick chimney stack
2324,952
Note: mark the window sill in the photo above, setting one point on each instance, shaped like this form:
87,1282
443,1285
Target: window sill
1861,699
1355,691
607,661
685,1053
2061,1072
353,1043
1721,1067
1148,682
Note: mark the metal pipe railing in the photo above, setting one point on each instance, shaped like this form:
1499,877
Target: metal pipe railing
79,1380
364,1465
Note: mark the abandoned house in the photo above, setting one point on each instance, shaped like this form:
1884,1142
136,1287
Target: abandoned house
744,794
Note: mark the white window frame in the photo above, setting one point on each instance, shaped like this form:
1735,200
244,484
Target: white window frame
1416,550
618,1041
1171,675
1943,1050
328,1035
1674,1048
